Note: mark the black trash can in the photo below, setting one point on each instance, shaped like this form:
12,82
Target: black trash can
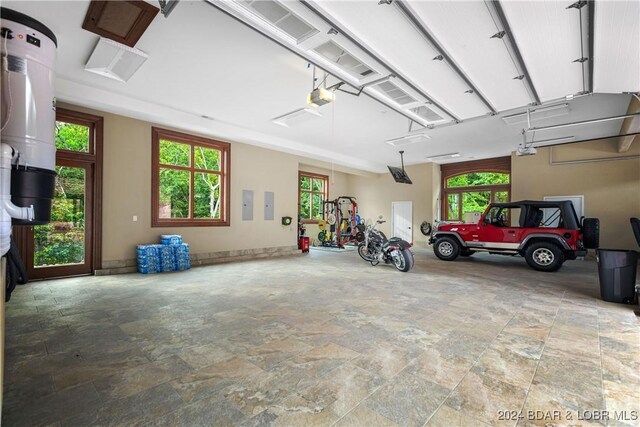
617,271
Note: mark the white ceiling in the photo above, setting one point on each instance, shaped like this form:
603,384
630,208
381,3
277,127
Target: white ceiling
204,62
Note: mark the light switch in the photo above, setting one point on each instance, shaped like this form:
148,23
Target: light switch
135,218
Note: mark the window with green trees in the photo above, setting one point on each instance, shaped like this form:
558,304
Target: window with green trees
190,181
312,192
473,192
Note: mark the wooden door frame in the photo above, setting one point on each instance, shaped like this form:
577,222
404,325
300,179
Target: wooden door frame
23,236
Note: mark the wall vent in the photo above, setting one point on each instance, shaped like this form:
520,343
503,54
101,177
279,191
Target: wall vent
282,18
338,55
427,113
296,117
395,93
115,60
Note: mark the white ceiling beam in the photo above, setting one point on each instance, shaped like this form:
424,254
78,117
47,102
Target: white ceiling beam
496,11
549,38
424,31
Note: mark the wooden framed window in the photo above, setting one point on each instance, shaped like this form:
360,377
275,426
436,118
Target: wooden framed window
190,181
312,192
470,186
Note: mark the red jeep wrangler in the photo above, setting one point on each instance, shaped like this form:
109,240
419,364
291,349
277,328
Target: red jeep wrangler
546,234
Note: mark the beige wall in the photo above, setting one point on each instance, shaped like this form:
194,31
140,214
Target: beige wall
611,188
376,194
127,192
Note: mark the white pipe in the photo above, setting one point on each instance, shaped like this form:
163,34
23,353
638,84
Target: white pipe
7,209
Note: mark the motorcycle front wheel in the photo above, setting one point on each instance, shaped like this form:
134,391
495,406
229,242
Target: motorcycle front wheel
364,253
403,260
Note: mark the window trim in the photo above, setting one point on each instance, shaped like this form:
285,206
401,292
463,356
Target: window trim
325,193
225,171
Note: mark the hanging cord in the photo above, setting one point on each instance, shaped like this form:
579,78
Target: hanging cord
333,133
5,67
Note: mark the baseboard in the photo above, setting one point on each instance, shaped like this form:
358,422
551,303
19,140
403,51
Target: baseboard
205,258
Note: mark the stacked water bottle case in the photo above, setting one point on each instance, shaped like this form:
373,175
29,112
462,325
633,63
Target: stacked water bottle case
170,255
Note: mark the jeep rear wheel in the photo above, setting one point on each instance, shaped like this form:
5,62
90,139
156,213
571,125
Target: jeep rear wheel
591,233
544,256
446,248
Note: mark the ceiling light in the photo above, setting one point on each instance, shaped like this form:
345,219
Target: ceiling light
408,139
444,156
296,117
538,114
115,60
320,96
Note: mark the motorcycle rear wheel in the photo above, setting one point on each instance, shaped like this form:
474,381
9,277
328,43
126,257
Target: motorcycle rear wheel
403,260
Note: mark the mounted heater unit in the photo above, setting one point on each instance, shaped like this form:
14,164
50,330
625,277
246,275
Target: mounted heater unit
115,60
28,150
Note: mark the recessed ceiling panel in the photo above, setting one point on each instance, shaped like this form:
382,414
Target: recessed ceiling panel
617,47
395,93
548,36
428,114
339,56
282,18
388,34
464,29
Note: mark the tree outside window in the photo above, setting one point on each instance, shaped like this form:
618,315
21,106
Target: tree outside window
473,192
312,192
190,185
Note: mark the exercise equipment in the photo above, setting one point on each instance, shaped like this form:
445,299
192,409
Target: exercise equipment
341,214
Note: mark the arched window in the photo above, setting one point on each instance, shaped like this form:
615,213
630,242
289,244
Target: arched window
469,187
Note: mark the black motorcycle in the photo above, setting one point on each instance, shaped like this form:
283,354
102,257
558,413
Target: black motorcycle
375,248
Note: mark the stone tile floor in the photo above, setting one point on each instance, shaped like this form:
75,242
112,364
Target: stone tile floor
324,339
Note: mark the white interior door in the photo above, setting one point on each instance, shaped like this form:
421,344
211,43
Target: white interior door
402,214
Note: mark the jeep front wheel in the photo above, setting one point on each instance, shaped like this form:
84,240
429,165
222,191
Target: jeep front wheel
446,248
544,256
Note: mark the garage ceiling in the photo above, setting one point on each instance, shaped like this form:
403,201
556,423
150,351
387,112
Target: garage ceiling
227,69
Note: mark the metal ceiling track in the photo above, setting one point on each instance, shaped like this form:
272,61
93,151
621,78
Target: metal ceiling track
591,41
585,16
496,11
422,29
582,122
284,45
385,64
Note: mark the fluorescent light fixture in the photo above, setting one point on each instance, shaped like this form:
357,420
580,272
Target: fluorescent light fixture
408,139
444,156
538,114
296,117
553,141
320,96
115,60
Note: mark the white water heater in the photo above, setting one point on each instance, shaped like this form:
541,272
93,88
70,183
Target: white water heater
28,154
